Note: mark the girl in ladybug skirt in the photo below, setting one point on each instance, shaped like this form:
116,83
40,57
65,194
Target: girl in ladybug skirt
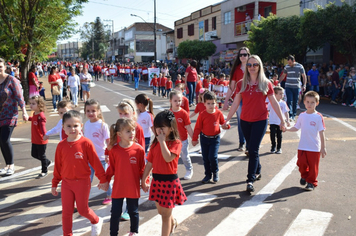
166,189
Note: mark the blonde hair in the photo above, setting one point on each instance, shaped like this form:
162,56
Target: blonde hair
261,78
40,102
127,105
120,124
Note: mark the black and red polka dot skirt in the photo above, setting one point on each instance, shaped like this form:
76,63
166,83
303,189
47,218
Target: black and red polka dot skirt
167,191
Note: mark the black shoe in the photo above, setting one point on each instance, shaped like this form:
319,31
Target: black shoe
49,163
206,180
240,148
258,177
273,150
250,188
309,187
216,177
302,181
42,175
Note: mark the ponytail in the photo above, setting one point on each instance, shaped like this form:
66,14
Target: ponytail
113,135
150,107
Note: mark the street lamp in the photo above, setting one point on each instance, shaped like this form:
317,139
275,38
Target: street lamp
154,30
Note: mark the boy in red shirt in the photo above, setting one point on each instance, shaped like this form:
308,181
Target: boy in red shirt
208,126
162,85
168,85
214,80
179,79
154,84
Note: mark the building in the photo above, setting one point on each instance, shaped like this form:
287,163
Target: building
69,51
136,43
288,8
171,50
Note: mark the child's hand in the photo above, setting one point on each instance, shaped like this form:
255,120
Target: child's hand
144,186
288,123
54,191
161,137
323,152
225,126
194,143
45,137
104,186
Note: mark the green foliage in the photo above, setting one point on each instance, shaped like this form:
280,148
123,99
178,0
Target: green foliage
195,49
94,36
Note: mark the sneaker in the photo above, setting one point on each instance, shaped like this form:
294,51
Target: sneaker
188,175
206,180
333,102
273,150
351,105
258,177
42,175
309,187
174,226
106,201
132,234
216,177
3,171
302,182
279,151
10,172
240,148
298,107
250,188
96,228
125,216
343,104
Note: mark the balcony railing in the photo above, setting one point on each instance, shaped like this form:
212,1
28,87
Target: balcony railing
242,27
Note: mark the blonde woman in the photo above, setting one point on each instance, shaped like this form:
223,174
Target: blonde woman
253,89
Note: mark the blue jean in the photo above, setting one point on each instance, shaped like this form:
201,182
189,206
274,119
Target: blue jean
105,165
162,91
191,87
168,91
116,210
292,100
55,99
335,92
154,89
254,132
137,82
147,144
315,88
209,150
239,129
74,92
112,78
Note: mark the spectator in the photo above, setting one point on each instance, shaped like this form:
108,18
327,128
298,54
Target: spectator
190,80
33,82
347,89
313,79
335,79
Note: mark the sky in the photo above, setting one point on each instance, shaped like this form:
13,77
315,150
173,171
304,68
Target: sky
167,11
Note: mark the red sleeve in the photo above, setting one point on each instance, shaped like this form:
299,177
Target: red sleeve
95,162
140,137
270,89
142,162
42,123
57,177
175,147
238,74
150,153
186,105
197,129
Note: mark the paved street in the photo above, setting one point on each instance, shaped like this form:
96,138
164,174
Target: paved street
279,206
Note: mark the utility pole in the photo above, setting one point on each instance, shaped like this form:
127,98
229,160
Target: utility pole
154,31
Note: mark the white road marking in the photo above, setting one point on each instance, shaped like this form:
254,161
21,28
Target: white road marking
28,140
124,95
309,222
195,202
35,169
54,115
220,156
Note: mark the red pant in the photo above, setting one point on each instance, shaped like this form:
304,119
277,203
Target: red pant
308,163
78,191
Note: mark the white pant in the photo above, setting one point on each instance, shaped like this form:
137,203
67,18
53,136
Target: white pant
185,155
74,92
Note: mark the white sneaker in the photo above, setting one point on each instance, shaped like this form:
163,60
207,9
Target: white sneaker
3,171
10,172
298,107
188,175
96,228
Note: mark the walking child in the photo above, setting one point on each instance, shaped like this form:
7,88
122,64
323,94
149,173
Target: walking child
72,159
63,107
312,141
98,132
145,119
38,131
166,189
200,105
162,85
169,85
208,127
274,120
184,128
185,101
127,162
154,84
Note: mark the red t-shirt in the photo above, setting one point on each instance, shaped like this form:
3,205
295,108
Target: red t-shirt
38,128
185,104
162,82
62,74
182,118
214,81
208,123
200,107
238,75
154,82
254,102
206,84
32,76
198,86
139,136
127,166
168,84
159,165
275,83
72,161
192,74
222,82
52,78
178,81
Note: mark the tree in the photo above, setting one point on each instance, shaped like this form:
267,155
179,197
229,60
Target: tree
95,39
196,49
30,29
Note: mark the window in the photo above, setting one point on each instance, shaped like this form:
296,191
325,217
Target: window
268,10
213,27
206,25
191,30
145,46
180,33
227,18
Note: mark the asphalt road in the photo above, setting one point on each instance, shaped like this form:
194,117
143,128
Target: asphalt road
279,206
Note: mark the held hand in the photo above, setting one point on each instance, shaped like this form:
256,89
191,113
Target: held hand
144,186
288,123
194,143
104,186
282,126
25,116
54,191
225,126
161,137
45,137
323,152
304,88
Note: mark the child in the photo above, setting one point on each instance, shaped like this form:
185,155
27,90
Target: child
42,90
184,128
274,121
63,107
162,85
98,132
72,159
222,80
154,84
144,118
127,162
275,81
168,85
179,80
38,131
200,105
213,79
166,188
185,102
312,141
208,127
73,84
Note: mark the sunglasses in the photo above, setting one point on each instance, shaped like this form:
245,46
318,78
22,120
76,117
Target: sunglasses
249,65
243,55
